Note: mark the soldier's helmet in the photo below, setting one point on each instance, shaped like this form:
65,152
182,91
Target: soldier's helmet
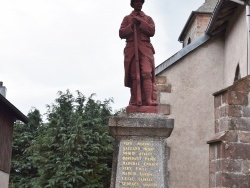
131,2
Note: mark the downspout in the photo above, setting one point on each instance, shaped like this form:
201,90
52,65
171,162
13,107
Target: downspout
248,34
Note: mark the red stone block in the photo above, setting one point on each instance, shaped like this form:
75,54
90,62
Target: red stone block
234,110
224,124
164,88
237,98
212,166
212,152
225,165
232,180
220,150
217,101
217,126
142,109
217,113
230,165
225,98
235,151
246,111
242,85
161,80
246,167
218,179
164,109
221,112
241,124
211,180
244,137
231,136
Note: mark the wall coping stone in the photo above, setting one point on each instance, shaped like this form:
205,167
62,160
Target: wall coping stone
232,87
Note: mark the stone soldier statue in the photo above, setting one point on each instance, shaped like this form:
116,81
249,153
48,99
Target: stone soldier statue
137,28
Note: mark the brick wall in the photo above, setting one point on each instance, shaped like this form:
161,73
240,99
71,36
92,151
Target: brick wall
163,88
229,159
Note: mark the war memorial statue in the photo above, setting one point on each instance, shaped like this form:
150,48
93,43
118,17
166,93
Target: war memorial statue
140,148
137,28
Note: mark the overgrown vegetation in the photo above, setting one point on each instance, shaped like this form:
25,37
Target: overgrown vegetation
71,150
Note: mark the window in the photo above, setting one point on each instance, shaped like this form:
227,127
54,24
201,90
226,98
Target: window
237,73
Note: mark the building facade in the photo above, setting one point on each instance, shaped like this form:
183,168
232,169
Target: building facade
209,62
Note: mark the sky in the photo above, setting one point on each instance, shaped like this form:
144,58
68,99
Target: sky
48,46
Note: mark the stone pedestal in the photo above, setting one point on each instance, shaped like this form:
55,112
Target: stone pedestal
141,154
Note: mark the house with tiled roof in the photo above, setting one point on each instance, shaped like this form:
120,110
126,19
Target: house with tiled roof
205,88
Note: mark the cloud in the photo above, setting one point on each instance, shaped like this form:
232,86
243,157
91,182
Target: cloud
51,45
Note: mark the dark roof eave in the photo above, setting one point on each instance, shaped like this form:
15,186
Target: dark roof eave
214,15
17,113
182,53
223,11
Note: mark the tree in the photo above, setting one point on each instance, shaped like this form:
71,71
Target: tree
23,170
74,149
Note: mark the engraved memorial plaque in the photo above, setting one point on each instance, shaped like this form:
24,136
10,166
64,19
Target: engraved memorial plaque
141,163
140,150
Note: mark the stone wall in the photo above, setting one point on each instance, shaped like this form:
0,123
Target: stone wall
229,159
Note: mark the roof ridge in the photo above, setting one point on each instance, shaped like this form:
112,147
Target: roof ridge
207,6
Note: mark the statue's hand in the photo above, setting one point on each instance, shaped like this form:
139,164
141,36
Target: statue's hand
136,21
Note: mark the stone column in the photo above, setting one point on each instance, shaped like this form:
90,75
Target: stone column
230,147
141,154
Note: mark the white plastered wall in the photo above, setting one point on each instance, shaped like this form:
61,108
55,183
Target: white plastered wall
194,79
4,180
236,46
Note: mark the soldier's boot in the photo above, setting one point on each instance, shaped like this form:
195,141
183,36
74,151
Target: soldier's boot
148,93
133,93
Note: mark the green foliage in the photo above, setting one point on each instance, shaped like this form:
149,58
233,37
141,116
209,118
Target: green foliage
120,112
73,149
23,169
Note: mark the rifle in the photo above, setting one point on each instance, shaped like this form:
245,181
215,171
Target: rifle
137,68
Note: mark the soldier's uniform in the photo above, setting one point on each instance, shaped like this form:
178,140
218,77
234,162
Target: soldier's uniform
145,30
